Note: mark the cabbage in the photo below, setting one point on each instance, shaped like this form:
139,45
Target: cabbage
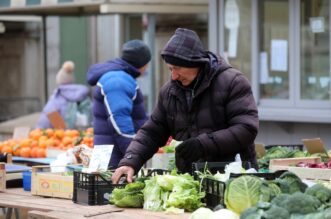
206,213
201,213
242,192
224,213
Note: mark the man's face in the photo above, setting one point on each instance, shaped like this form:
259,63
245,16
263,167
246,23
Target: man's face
142,70
183,74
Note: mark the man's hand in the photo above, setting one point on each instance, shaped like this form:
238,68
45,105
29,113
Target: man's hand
129,171
190,150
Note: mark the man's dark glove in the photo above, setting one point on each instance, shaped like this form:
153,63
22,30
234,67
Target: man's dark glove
190,150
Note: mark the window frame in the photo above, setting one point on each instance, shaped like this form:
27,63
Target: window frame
294,108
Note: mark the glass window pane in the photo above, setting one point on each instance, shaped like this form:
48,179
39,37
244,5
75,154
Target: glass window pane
273,56
237,41
315,54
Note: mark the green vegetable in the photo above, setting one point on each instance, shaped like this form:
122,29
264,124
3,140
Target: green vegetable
107,174
300,203
319,191
242,192
133,201
278,152
129,196
252,213
152,195
268,191
166,191
280,199
275,212
290,183
299,154
265,210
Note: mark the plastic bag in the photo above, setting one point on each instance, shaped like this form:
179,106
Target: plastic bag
78,115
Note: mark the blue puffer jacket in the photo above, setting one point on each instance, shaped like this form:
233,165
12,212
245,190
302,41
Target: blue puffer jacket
118,108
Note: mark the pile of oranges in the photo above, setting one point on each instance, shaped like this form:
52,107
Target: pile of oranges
39,139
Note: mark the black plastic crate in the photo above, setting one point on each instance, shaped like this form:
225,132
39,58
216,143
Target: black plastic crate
154,172
214,192
267,176
289,146
214,167
215,189
92,188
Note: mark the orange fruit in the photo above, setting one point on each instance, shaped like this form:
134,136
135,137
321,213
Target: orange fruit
34,143
89,130
50,142
7,149
35,134
59,133
34,152
17,150
67,140
25,142
72,133
41,152
49,132
25,152
42,144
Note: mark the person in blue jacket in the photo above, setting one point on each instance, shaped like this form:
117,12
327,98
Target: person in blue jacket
118,107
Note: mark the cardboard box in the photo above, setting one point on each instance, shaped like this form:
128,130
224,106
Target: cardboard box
315,145
45,183
2,177
302,172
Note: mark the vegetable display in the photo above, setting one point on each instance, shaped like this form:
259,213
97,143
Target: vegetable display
277,153
171,193
295,202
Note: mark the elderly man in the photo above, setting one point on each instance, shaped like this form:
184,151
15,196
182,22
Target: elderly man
207,104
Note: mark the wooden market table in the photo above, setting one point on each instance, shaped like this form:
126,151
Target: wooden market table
49,208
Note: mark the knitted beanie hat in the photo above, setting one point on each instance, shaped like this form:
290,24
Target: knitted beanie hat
66,73
136,53
181,62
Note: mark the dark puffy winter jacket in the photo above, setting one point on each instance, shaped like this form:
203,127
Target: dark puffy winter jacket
223,113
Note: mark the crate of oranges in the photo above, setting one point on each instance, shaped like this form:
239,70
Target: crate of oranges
35,146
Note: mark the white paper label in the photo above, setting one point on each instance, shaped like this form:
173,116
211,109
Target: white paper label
279,55
100,158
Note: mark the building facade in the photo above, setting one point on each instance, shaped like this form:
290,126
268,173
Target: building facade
283,47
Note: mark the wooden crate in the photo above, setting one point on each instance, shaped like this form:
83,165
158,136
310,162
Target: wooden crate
282,164
2,177
302,172
46,183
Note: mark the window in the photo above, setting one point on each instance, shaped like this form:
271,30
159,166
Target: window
283,48
273,49
315,50
237,34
